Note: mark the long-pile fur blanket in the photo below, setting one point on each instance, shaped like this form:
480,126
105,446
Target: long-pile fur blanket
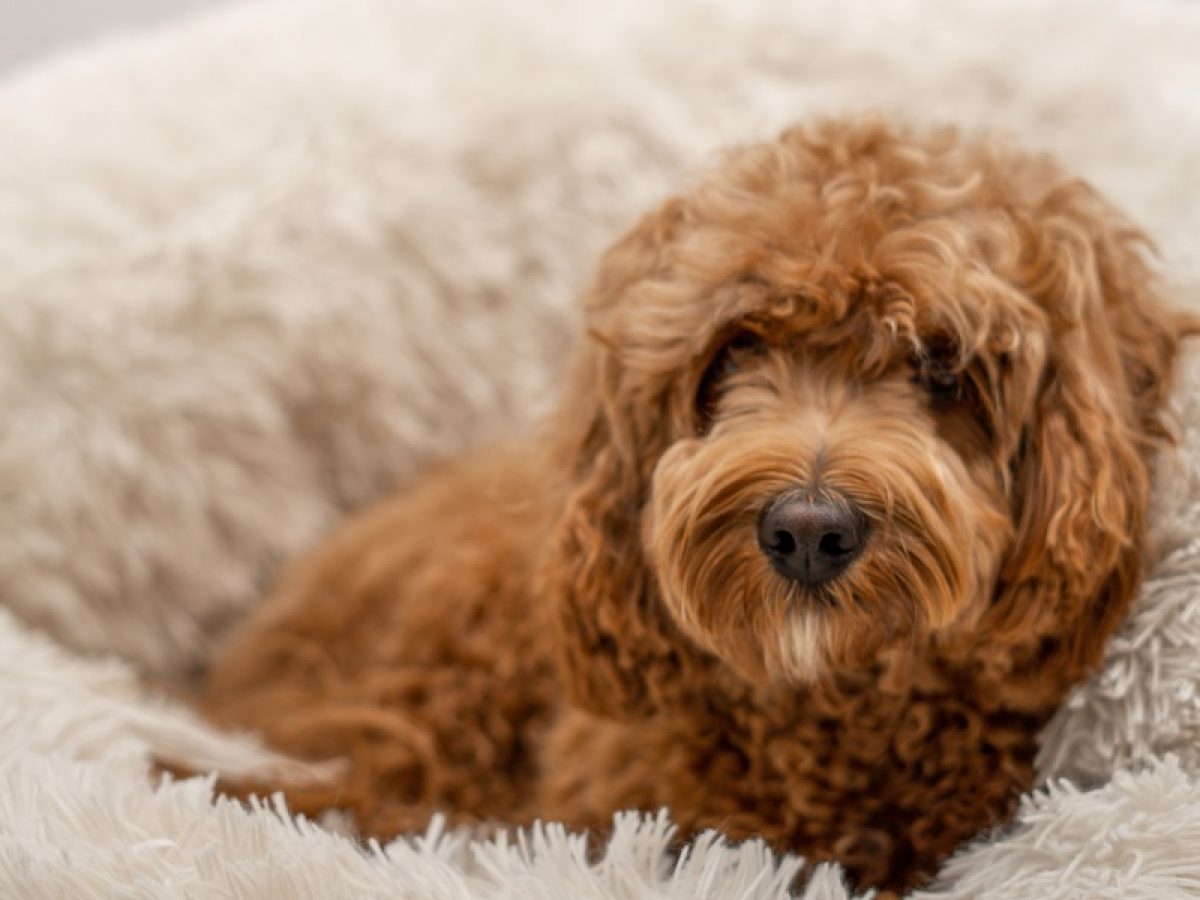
257,268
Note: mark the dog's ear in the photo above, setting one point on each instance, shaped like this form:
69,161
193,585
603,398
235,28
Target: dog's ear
1081,476
619,651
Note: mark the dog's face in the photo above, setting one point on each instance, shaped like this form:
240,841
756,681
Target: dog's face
839,494
859,389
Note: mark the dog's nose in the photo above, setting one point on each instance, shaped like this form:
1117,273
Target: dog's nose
810,541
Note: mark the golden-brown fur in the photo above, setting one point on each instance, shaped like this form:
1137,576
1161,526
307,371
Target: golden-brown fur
952,337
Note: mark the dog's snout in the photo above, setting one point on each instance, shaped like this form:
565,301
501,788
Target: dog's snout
810,541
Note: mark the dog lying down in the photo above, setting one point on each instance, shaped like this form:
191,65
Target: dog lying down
847,487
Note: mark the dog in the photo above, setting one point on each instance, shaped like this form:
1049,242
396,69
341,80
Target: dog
846,489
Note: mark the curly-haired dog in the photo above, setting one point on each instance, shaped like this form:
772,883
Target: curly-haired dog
847,488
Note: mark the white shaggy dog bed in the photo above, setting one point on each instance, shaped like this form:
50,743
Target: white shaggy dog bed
257,269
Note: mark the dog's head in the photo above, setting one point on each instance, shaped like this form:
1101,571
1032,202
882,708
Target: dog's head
859,388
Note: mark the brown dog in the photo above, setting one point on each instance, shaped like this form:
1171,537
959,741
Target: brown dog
846,490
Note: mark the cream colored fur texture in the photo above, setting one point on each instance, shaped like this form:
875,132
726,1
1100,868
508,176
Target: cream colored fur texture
258,268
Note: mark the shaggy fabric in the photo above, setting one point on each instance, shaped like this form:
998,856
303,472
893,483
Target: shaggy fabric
1146,699
79,817
255,270
1134,839
93,709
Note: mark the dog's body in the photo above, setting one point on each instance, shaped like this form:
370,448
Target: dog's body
847,490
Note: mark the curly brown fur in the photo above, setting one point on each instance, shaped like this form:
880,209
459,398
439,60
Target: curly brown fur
947,336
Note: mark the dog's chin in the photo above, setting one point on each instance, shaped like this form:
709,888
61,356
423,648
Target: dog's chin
802,655
792,652
767,638
773,635
806,646
813,641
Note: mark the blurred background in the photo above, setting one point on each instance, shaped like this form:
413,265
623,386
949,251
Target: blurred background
31,30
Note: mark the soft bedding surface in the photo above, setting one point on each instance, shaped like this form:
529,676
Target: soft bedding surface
258,268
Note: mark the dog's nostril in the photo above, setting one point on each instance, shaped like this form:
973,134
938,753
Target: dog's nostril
783,543
810,541
835,544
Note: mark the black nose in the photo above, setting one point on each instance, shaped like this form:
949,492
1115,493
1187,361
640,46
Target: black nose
810,541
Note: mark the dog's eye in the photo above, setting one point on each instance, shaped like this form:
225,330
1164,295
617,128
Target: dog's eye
725,363
940,381
733,353
939,371
744,345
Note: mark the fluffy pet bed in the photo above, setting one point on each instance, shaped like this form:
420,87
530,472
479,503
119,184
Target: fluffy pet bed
256,269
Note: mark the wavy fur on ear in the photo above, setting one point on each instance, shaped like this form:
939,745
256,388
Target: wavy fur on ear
1082,469
617,647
